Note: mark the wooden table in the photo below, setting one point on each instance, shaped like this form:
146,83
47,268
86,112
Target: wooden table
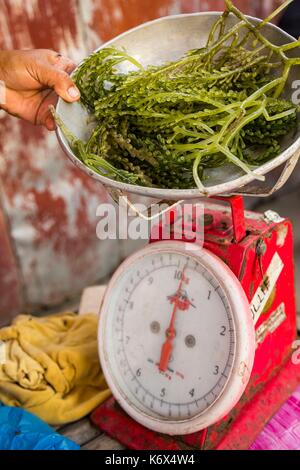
88,436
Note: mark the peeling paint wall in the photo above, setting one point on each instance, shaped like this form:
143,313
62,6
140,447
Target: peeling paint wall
259,8
110,18
48,245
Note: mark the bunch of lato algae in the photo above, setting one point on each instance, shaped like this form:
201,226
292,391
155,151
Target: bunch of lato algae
164,126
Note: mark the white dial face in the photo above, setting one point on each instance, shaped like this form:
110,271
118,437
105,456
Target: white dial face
171,336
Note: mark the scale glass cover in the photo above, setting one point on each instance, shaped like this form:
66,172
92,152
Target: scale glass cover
176,338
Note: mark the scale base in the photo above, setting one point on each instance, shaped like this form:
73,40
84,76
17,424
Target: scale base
242,431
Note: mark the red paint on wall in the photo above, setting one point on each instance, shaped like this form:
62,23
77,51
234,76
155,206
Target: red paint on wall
251,7
41,24
51,223
113,17
49,219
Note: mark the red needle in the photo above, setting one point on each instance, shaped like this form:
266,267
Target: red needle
167,347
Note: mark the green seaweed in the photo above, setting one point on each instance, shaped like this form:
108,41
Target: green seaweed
164,126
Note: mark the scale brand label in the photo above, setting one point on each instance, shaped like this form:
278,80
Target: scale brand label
265,289
271,325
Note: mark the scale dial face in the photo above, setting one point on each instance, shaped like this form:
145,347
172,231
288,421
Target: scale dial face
176,338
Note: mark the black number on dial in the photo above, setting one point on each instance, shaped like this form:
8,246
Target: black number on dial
163,392
178,275
192,392
217,369
138,372
223,331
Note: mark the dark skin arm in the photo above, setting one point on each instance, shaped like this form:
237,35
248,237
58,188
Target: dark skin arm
32,80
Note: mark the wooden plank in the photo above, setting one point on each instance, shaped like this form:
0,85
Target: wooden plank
81,432
91,299
102,442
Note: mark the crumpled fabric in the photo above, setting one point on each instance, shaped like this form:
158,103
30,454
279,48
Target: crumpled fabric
52,367
20,430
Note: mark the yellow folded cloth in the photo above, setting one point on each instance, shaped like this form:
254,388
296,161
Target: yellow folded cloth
52,366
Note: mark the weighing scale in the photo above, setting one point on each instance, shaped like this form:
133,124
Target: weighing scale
183,352
195,338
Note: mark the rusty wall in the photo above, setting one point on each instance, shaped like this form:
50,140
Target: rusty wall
107,18
48,247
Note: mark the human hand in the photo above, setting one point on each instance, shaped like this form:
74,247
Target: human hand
32,80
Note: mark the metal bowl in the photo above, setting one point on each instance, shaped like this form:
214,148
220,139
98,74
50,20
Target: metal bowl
167,39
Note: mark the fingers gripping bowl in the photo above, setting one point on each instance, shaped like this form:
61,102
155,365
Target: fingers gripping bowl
169,39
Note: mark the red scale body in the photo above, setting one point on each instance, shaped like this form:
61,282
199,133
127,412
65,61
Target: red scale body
247,243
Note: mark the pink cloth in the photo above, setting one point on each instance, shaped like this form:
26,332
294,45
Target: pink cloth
283,431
